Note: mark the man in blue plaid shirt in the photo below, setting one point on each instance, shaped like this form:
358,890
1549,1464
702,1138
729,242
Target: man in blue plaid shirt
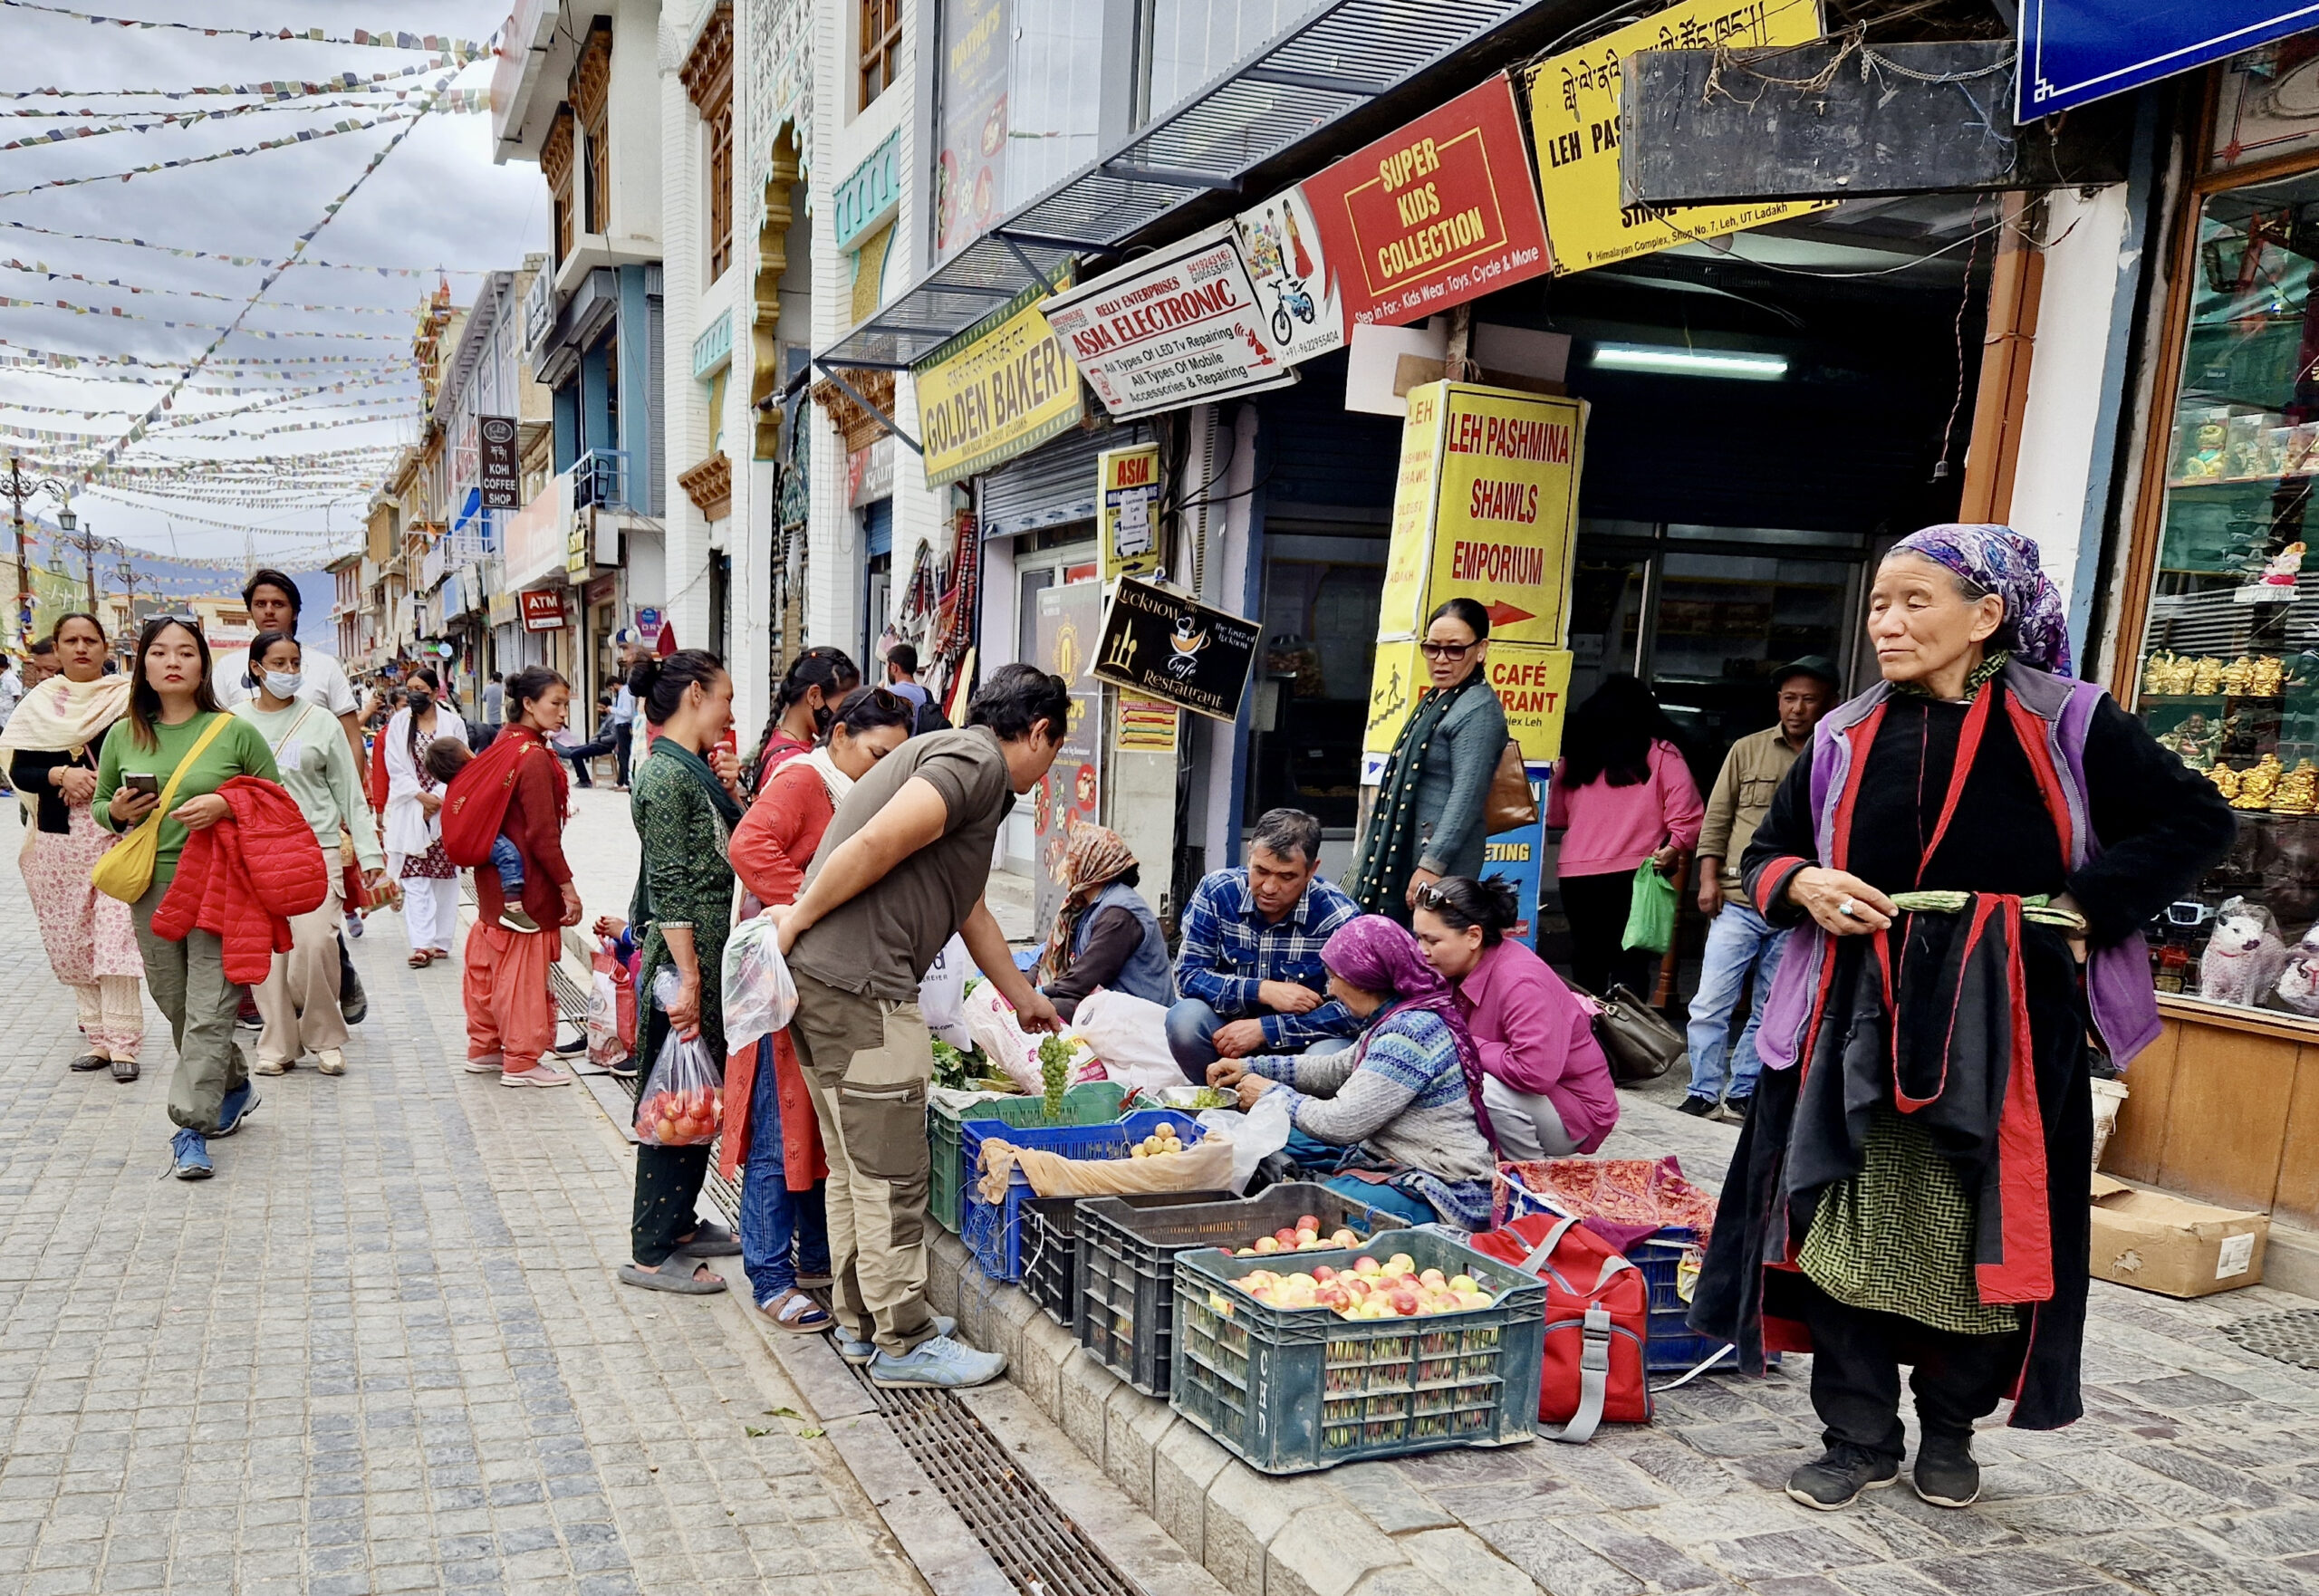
1250,964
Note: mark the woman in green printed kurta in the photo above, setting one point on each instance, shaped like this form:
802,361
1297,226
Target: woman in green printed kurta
685,803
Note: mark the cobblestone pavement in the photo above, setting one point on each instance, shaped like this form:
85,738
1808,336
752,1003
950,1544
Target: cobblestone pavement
382,1351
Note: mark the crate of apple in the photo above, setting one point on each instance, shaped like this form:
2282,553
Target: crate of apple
1396,1288
681,1118
1305,1237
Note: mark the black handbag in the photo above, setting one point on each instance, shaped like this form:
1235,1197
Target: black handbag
1636,1038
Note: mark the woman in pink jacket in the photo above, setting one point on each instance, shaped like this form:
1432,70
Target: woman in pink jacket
1621,794
1545,1084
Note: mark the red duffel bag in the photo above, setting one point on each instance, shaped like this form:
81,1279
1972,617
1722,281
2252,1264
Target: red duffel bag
1598,1317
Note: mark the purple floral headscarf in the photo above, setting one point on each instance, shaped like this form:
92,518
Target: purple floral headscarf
2003,562
1377,955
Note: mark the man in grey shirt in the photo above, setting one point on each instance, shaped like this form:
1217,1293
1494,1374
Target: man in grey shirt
899,871
495,695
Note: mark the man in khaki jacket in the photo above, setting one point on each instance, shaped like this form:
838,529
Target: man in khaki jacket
1738,939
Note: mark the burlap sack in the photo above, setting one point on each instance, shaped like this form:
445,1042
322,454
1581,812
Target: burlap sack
1205,1165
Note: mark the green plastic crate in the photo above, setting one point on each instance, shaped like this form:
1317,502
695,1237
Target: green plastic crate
1290,1390
1098,1103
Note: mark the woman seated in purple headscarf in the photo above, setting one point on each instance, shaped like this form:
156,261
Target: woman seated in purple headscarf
1395,1118
1967,850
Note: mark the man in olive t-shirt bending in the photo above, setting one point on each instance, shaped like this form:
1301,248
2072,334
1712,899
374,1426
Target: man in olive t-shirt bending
899,871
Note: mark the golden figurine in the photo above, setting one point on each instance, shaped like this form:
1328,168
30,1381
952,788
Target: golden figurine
2182,675
2225,779
2237,675
2257,785
2267,678
2298,791
2206,676
2157,675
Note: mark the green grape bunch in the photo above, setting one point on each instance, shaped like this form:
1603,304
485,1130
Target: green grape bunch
1055,1068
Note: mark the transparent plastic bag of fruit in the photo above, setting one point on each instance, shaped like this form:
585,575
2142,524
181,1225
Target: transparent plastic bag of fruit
683,1101
759,996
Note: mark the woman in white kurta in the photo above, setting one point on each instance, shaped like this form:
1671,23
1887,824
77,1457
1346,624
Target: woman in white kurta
299,1000
414,839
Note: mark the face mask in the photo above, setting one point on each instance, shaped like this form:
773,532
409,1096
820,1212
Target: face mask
282,684
420,703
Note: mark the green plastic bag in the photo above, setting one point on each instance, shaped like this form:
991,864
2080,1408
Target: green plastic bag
1650,912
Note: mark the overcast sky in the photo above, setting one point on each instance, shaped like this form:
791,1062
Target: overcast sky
437,202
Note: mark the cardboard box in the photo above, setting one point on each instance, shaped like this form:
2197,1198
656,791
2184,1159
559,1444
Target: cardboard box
2167,1243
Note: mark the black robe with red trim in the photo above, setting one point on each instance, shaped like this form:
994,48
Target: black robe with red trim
2161,825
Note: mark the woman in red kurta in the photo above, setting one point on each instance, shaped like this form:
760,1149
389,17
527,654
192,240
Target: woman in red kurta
511,1018
770,851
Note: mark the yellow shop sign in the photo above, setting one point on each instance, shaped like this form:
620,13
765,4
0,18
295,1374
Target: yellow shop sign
998,390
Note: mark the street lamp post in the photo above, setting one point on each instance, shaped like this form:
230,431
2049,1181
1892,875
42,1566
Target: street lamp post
18,487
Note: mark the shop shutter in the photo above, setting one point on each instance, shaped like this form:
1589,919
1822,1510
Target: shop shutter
1319,452
1052,486
878,528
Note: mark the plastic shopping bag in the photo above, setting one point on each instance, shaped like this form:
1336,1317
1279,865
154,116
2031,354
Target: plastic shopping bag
1129,1034
1255,1136
1015,1052
611,1010
941,996
1650,912
683,1101
759,996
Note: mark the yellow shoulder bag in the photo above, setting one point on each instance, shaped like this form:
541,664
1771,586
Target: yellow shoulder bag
126,870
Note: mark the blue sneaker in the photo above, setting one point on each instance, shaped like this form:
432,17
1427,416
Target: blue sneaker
859,1353
191,1153
239,1105
940,1363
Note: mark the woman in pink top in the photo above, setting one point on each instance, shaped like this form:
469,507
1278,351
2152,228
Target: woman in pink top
1545,1084
1621,794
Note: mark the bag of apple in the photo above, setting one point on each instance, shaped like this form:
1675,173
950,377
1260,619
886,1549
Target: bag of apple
683,1101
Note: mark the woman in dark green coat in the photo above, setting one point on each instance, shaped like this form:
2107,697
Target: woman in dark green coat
685,802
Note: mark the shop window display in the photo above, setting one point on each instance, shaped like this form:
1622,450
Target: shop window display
2229,665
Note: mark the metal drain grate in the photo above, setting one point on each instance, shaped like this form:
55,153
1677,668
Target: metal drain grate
2291,1338
1033,1541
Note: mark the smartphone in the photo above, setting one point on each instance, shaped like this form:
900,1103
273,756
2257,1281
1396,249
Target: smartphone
142,781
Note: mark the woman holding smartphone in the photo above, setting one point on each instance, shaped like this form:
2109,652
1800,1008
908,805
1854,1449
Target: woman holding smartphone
175,729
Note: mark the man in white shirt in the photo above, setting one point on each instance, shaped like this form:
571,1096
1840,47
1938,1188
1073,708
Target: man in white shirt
273,602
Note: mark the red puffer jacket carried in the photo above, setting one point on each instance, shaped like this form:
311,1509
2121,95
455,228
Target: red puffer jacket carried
242,879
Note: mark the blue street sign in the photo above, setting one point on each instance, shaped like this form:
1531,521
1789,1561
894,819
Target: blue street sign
2074,51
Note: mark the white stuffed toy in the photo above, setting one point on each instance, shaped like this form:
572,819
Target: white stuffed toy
2243,954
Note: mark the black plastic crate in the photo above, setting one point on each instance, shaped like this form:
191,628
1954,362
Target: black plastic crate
1127,1264
1050,1250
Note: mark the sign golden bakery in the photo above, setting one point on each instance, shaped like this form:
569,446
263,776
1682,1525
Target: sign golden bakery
1000,388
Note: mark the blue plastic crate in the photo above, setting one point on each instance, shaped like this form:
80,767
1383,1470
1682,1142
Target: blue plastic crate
994,1232
1674,1348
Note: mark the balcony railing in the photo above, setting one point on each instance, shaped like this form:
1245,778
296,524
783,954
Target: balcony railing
600,479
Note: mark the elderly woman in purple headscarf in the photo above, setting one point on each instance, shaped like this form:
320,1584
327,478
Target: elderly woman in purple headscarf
1967,850
1394,1120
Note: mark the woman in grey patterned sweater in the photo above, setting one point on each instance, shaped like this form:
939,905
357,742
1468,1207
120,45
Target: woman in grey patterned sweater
1394,1120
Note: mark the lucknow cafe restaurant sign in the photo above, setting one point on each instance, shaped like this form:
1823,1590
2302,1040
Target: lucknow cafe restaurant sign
1162,645
1004,386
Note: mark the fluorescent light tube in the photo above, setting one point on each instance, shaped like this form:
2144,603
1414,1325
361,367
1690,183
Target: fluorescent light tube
1690,362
